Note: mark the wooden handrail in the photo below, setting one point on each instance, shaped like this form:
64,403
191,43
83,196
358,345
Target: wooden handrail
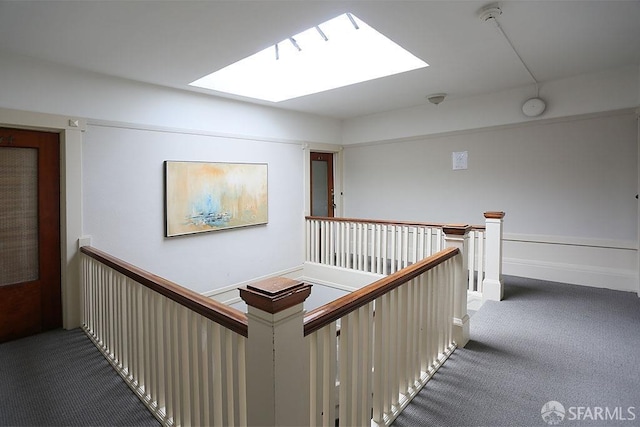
385,222
222,314
374,221
332,311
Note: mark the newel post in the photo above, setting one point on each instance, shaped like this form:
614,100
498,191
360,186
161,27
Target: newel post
277,354
493,285
457,236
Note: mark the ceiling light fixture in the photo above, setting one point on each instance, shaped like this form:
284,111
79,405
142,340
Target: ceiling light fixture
534,106
436,98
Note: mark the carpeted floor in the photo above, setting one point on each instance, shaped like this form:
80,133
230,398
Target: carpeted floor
544,342
59,378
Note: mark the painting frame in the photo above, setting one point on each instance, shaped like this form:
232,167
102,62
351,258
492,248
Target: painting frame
204,196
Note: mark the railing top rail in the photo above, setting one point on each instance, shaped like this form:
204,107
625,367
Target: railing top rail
222,314
332,311
386,222
376,221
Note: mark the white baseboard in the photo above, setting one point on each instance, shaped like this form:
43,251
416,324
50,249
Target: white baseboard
577,274
600,263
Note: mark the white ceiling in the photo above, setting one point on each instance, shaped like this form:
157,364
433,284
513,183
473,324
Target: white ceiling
172,43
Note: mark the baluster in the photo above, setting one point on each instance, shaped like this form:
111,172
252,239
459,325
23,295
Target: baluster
349,248
330,356
242,379
414,322
332,244
176,383
357,247
217,376
345,350
315,380
307,235
195,382
439,240
442,302
185,363
450,268
422,327
368,259
133,340
341,243
409,331
393,249
481,261
229,359
472,259
433,319
316,242
402,339
379,377
121,330
355,361
374,251
366,363
147,336
159,371
405,247
326,242
396,352
128,310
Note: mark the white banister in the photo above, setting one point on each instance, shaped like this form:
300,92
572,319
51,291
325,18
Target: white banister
458,237
393,335
493,285
476,260
166,342
384,247
277,353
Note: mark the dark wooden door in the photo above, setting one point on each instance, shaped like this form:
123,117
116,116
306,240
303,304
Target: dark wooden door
30,293
322,192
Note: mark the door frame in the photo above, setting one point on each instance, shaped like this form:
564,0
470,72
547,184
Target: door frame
328,159
337,151
70,130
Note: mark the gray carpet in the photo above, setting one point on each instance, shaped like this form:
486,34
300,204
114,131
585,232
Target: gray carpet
59,378
544,342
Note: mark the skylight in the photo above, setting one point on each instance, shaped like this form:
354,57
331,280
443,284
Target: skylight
340,52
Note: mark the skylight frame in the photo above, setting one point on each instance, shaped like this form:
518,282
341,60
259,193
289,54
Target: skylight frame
321,58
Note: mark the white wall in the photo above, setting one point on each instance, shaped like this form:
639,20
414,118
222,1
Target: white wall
132,129
567,186
32,85
123,206
580,168
605,91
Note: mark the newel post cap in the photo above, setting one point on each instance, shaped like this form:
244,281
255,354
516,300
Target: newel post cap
275,294
456,229
494,215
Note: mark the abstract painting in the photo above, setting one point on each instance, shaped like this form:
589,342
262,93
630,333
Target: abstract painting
205,196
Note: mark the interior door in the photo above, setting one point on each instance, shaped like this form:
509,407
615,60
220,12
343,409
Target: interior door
30,293
322,192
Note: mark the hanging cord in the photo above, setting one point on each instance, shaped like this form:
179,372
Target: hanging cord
499,27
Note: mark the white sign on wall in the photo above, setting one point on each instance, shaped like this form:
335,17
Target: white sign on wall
459,160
